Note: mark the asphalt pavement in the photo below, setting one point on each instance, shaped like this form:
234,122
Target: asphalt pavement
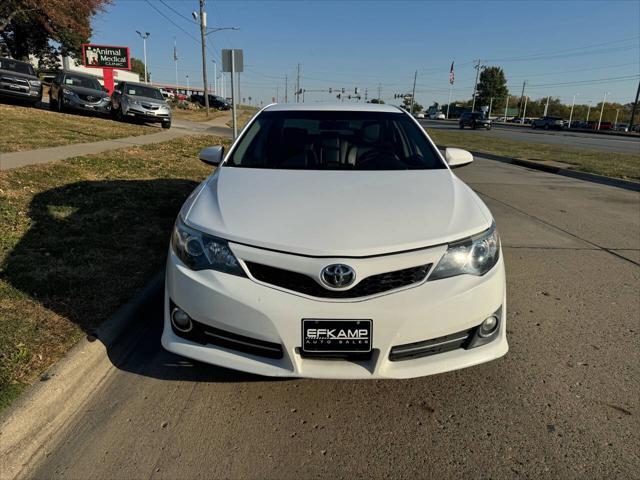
563,403
565,138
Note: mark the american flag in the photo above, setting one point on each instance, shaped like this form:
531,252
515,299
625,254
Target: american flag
452,76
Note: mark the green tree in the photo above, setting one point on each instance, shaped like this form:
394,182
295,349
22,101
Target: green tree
406,104
33,27
492,84
137,66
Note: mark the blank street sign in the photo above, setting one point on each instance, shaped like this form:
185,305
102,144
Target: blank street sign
238,60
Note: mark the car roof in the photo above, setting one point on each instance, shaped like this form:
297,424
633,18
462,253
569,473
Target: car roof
138,84
333,107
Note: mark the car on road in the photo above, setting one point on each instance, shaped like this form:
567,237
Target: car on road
474,120
418,115
437,116
214,101
77,91
621,127
548,123
18,81
335,241
141,102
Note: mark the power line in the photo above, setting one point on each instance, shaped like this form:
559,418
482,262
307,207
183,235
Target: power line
190,20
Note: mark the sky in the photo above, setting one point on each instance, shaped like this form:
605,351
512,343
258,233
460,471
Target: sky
561,48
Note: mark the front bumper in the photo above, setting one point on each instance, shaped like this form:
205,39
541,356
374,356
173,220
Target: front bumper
18,92
75,103
245,308
141,113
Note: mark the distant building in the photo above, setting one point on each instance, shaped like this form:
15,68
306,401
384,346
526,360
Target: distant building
72,65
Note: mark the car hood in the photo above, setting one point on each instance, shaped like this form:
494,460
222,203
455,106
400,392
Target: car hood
153,101
11,73
86,91
336,213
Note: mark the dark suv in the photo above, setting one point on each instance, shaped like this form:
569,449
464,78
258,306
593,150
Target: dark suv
474,120
18,80
214,101
70,90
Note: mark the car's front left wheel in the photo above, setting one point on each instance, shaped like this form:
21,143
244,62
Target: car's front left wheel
166,125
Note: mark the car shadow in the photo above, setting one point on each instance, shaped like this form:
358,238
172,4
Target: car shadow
91,246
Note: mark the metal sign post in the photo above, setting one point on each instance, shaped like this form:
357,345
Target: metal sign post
233,62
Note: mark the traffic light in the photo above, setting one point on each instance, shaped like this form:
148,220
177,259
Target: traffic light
330,90
339,96
356,91
343,90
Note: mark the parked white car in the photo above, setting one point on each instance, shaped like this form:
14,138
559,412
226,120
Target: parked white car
168,94
418,115
437,116
335,241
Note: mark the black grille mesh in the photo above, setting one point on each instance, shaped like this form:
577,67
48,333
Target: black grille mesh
372,285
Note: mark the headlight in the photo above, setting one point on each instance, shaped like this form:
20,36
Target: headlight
66,91
200,251
474,255
35,83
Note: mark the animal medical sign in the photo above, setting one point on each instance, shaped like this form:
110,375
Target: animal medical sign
103,56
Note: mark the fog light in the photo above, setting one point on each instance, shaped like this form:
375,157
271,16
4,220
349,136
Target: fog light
180,320
488,327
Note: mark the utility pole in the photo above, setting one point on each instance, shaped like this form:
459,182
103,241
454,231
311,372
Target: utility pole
522,98
175,59
572,105
490,105
379,90
602,109
298,85
413,95
546,107
286,89
478,67
215,78
588,111
506,106
203,31
633,109
615,122
144,46
525,109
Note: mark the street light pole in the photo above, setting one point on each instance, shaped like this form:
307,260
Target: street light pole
144,46
588,111
187,83
506,105
478,67
413,95
572,105
215,78
602,109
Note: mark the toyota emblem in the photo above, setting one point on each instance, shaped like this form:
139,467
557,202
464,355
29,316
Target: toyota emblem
337,275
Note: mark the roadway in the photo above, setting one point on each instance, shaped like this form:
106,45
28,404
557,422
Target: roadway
563,403
565,138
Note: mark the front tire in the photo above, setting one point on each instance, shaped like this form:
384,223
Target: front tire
461,125
488,126
546,127
166,125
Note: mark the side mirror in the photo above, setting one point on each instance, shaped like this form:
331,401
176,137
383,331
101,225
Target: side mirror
212,155
457,157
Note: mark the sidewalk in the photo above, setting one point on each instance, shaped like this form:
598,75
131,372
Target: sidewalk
181,128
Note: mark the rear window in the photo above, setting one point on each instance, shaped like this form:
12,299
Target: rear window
16,66
326,140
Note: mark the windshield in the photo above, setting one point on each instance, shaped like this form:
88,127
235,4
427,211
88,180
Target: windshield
15,66
142,91
326,140
80,81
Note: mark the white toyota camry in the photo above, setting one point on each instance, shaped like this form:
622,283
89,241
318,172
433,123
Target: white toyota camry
334,241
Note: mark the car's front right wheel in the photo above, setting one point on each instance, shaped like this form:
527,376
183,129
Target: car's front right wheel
166,125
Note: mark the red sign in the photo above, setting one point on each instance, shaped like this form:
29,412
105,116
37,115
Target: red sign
108,58
105,56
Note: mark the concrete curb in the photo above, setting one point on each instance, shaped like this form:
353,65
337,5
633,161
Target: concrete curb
28,428
565,172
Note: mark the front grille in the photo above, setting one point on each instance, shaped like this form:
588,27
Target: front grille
17,81
409,351
89,98
204,334
372,285
150,106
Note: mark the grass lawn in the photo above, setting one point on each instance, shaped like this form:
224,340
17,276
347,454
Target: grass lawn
78,238
612,164
243,116
197,115
28,128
